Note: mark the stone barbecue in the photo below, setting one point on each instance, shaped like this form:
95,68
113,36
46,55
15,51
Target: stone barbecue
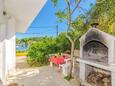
97,58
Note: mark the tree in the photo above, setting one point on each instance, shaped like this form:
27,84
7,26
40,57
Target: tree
62,43
104,14
72,33
17,41
25,40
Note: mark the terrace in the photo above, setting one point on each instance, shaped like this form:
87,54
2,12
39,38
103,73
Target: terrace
93,65
15,16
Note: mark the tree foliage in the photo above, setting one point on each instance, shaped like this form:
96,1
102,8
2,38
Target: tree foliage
38,52
104,13
74,31
78,24
62,43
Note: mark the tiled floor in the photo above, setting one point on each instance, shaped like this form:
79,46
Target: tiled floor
42,76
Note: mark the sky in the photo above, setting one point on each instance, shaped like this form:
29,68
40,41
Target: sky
46,21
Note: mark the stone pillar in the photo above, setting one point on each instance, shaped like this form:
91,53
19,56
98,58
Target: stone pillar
111,53
113,79
82,65
81,49
82,71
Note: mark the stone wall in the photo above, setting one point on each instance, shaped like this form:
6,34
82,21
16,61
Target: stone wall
76,65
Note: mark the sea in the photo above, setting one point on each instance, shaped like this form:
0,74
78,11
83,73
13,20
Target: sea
21,47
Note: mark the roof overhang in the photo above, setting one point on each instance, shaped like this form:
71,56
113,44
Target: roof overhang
24,11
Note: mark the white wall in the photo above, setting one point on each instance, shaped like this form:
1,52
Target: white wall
7,49
2,52
7,44
10,46
18,17
2,18
2,42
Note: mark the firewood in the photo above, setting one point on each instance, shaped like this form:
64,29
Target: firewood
99,79
106,80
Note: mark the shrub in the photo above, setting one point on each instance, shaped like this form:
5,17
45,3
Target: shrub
38,52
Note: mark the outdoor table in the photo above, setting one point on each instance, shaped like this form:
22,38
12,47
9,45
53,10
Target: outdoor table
62,62
57,60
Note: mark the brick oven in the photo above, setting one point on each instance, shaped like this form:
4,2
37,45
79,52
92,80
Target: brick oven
97,58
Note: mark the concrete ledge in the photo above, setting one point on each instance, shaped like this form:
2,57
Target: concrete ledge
105,67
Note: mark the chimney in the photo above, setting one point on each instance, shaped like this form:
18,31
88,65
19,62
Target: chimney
94,25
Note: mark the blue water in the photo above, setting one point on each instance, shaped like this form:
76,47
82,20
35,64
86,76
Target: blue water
21,47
